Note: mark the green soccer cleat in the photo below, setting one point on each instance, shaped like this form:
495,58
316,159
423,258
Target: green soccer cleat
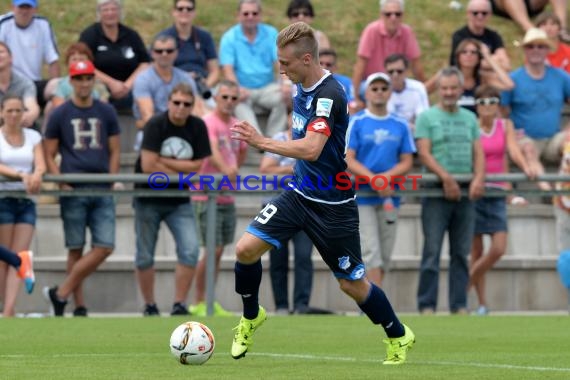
398,347
244,331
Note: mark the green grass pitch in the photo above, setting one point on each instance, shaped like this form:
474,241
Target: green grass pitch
297,347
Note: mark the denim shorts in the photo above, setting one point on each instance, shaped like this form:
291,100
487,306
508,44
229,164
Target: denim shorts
17,210
95,213
180,221
225,222
490,215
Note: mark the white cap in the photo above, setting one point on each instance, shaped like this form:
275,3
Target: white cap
377,76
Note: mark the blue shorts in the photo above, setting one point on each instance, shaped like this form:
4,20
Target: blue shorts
180,221
17,210
95,213
490,215
333,229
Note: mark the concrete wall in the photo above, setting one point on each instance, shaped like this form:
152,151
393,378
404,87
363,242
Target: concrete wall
525,279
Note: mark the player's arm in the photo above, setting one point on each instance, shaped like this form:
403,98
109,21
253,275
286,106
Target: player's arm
308,148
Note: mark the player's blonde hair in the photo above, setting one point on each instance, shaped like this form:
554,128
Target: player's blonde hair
302,36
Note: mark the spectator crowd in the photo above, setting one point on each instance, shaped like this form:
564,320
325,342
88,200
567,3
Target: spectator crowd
184,91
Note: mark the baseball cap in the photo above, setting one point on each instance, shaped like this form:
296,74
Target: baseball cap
536,35
81,68
31,3
377,76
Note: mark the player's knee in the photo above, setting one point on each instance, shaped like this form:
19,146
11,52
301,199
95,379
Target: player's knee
245,254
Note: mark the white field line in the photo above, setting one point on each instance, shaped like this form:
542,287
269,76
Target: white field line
27,356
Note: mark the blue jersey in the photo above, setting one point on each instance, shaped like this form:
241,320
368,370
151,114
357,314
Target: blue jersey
322,109
378,142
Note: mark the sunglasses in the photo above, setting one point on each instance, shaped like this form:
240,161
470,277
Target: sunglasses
299,13
390,14
487,101
187,9
162,51
396,71
482,13
252,14
226,97
534,46
382,89
178,103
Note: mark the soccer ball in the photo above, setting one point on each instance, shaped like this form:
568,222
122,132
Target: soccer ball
192,343
176,147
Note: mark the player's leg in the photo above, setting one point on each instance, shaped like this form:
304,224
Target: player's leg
339,245
276,222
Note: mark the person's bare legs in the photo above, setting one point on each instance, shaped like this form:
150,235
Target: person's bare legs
82,268
73,256
145,279
517,11
558,8
17,238
476,254
200,291
481,266
183,276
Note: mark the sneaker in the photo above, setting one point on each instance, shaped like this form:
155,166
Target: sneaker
219,311
482,310
80,311
57,306
199,310
179,309
151,310
398,347
244,331
26,270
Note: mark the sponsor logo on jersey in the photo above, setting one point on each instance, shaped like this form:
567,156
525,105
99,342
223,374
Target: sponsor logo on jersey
324,107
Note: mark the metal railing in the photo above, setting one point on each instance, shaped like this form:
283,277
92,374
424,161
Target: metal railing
211,192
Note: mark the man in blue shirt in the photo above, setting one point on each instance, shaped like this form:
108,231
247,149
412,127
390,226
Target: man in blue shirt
249,57
380,144
535,103
317,203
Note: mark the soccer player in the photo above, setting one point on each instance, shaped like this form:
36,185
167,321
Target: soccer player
325,210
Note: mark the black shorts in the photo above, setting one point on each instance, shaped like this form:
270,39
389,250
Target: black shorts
501,13
333,229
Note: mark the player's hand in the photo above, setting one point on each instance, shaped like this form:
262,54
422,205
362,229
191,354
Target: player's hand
244,131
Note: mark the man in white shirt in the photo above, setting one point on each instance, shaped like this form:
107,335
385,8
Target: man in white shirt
409,96
32,42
